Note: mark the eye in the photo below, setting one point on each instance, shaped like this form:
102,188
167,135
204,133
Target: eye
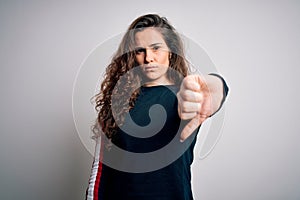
140,50
155,48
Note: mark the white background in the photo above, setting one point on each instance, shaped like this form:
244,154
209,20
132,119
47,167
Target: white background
254,45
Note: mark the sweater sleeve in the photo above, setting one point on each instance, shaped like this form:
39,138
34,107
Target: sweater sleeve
93,191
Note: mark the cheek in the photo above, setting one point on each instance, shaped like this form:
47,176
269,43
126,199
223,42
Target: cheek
139,59
165,58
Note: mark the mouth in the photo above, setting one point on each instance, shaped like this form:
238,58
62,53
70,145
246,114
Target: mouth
150,68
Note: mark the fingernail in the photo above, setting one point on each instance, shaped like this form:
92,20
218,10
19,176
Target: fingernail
181,140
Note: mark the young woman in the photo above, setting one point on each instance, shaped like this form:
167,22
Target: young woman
146,150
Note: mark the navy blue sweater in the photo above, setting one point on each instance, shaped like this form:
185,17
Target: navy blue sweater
170,182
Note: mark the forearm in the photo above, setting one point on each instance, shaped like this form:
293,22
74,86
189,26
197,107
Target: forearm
218,90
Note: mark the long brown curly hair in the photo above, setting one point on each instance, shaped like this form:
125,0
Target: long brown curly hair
117,84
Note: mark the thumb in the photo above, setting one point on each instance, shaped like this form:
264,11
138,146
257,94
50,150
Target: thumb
191,127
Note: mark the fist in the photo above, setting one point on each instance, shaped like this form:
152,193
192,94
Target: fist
194,103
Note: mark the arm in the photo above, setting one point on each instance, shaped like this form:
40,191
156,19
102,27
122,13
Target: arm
200,97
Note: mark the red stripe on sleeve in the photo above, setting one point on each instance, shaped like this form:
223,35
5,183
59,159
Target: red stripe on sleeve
99,173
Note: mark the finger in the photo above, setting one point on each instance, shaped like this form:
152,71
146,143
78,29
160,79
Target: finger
179,99
186,116
190,83
187,106
189,95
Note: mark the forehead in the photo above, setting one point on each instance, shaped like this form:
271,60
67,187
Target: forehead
148,36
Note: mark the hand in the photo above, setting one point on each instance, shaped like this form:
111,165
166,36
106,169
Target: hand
195,101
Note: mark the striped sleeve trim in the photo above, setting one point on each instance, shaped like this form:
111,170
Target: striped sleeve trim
96,172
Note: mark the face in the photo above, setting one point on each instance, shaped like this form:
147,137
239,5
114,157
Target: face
152,54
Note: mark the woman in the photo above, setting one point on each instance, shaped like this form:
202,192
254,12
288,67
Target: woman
149,69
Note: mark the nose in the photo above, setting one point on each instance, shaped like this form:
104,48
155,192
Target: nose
149,57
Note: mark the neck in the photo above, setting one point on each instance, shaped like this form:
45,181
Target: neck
153,83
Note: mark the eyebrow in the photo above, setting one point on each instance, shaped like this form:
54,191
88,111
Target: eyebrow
154,44
151,45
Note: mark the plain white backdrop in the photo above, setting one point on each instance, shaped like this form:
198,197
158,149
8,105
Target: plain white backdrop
254,45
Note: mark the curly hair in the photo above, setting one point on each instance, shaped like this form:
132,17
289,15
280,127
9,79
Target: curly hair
117,83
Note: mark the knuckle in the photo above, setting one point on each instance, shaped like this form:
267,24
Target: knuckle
184,117
187,81
184,106
185,95
200,96
199,106
178,95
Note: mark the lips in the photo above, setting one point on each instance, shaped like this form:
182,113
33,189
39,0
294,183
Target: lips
150,68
